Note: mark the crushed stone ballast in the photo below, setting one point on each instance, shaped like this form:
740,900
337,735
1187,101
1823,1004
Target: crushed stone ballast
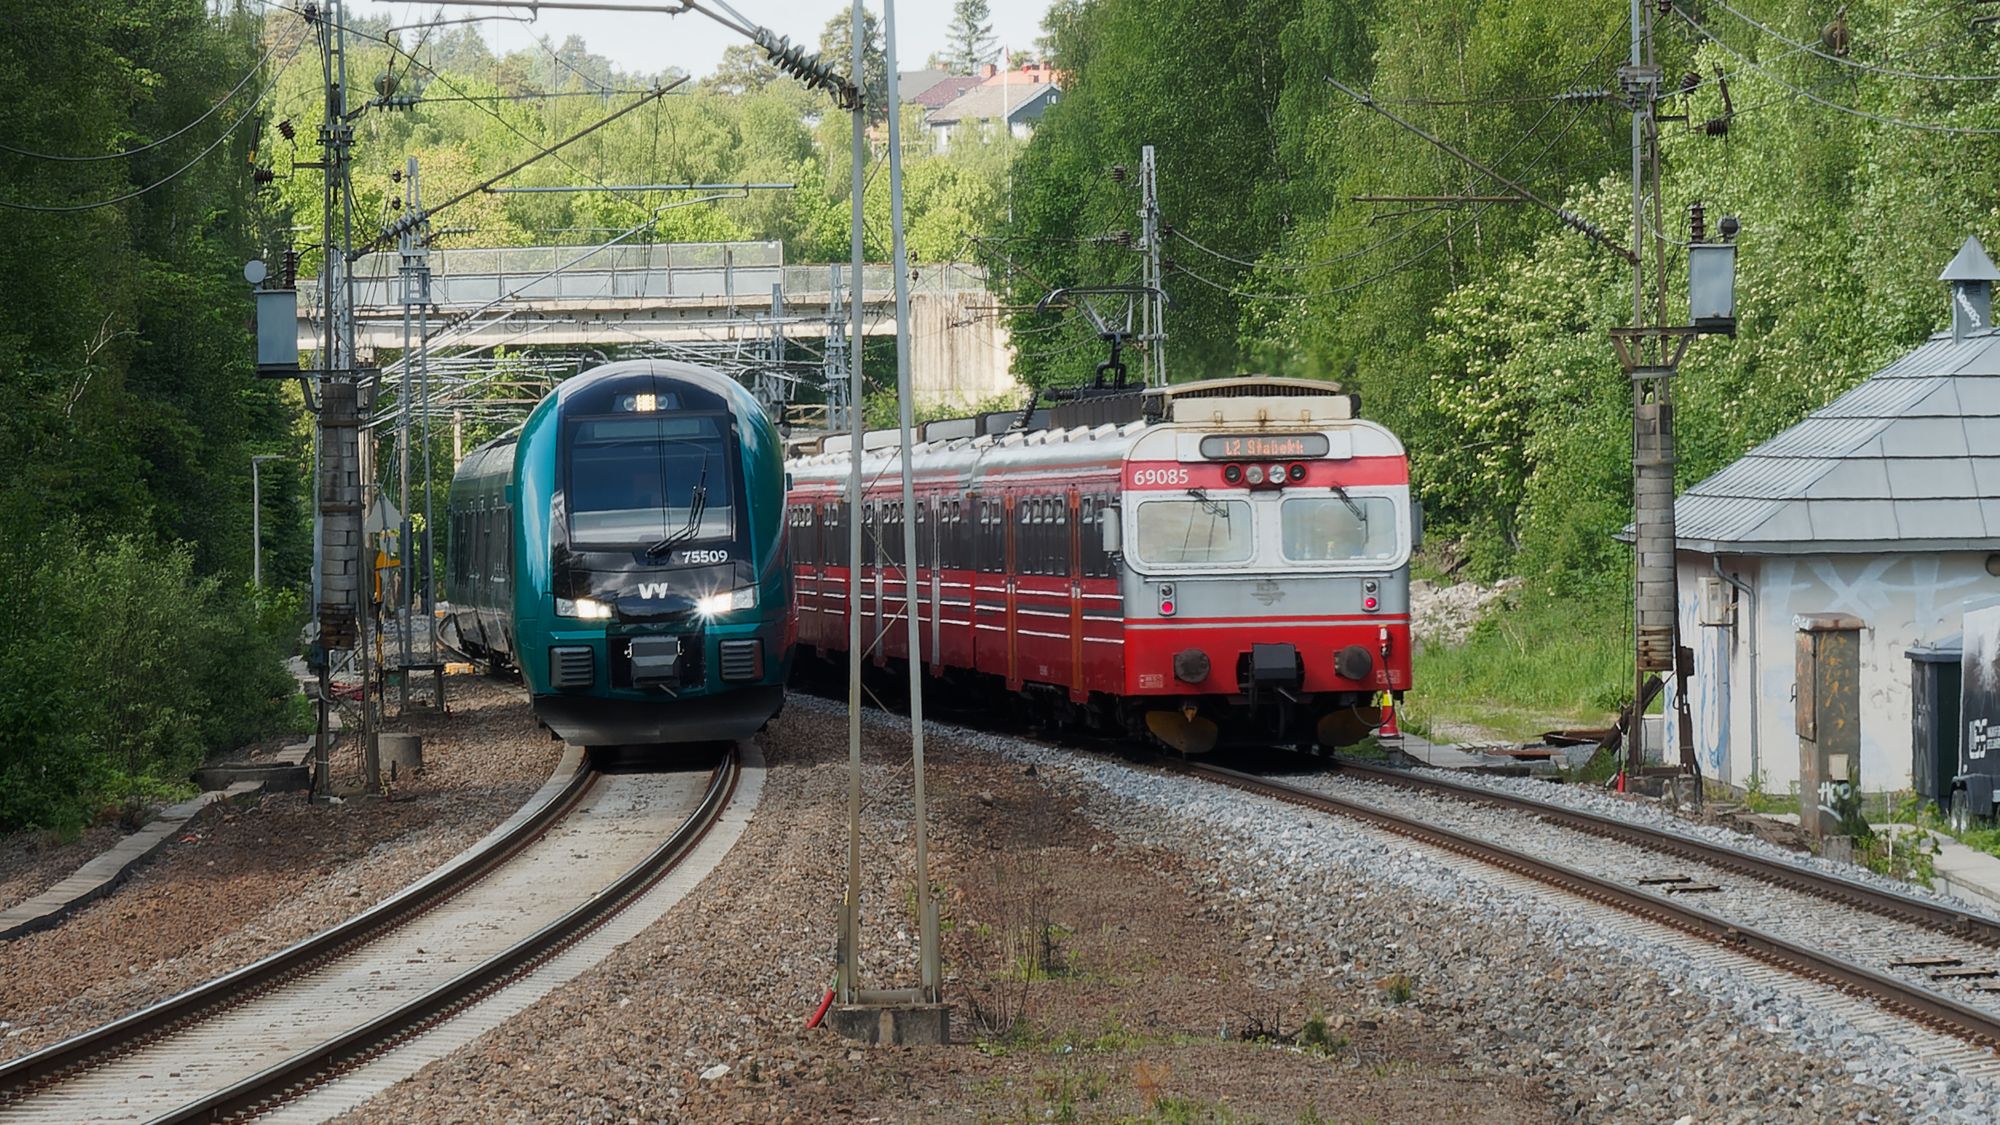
251,1040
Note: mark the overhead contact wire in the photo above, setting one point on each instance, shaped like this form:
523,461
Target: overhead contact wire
248,112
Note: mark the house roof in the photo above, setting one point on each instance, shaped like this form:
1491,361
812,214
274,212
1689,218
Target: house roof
933,88
984,103
1908,460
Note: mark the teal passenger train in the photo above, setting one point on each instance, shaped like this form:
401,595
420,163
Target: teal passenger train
625,549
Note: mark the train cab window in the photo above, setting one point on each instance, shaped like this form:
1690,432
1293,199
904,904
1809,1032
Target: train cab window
1199,532
642,478
1338,529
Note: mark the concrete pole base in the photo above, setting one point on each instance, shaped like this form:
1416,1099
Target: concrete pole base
901,1025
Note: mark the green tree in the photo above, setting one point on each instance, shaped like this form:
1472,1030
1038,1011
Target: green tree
969,40
128,407
744,69
836,49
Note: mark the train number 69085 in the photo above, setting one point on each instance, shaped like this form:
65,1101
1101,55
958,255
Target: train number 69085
1143,477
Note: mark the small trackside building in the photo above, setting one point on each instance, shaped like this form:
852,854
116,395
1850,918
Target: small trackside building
1883,505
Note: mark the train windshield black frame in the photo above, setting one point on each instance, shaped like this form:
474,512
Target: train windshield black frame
637,480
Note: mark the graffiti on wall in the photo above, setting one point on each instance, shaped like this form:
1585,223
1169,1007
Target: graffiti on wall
1904,599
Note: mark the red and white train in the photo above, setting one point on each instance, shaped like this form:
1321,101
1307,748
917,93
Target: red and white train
1231,565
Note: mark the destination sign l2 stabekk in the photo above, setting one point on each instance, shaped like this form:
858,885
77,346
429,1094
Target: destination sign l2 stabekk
1263,447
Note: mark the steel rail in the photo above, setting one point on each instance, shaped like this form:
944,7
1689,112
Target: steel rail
293,1077
23,1075
1849,892
1912,1001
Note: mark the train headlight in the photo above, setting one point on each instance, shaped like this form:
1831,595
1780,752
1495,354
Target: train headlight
1255,474
726,601
584,609
1191,666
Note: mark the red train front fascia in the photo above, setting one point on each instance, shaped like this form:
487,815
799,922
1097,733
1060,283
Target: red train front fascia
1236,567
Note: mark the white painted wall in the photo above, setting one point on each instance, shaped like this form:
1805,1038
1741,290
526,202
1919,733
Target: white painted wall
1904,599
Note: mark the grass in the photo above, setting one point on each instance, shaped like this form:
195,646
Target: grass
1526,668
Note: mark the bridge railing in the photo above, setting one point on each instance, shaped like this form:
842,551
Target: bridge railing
700,273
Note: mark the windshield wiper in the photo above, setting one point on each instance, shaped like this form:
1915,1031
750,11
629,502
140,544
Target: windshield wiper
697,504
1212,507
1341,491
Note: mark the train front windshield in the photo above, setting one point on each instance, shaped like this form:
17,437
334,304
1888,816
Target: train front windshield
660,480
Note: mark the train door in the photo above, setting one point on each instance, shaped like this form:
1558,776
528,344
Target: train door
1011,553
932,541
1073,505
878,557
822,539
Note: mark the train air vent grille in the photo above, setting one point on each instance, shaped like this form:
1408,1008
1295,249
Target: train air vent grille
742,660
571,667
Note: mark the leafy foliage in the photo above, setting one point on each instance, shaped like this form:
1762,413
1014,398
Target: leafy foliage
969,40
1477,330
128,408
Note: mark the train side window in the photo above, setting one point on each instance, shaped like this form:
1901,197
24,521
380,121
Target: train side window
1090,535
507,543
1059,557
1049,535
1053,537
1031,546
1105,512
987,544
1044,532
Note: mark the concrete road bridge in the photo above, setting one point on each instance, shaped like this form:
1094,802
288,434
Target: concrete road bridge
678,294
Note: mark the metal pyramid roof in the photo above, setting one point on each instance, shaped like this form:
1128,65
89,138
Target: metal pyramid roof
1970,264
1907,460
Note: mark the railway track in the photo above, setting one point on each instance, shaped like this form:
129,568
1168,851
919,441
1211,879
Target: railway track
1974,1024
1909,908
253,1040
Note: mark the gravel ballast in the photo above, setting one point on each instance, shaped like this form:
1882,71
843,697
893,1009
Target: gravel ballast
1119,943
238,884
1181,916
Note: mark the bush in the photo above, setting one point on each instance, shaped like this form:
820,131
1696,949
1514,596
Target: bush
119,669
